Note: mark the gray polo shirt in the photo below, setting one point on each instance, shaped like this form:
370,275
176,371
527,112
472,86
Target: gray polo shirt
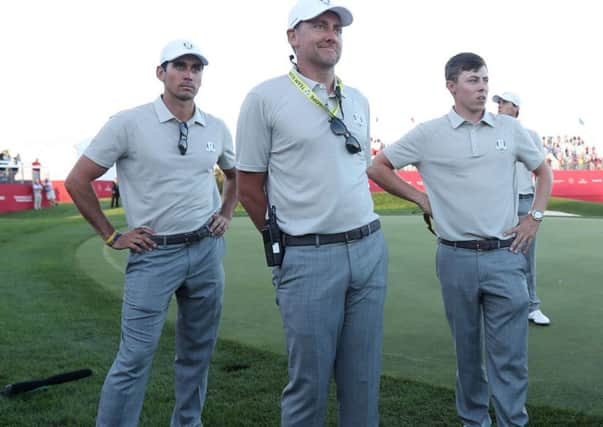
161,188
468,171
525,180
315,184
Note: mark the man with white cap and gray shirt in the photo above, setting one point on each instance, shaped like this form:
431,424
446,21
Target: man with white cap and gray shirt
165,153
303,148
508,104
467,161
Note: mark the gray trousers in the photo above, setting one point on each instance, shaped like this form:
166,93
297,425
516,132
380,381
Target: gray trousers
486,302
331,302
525,204
37,200
194,273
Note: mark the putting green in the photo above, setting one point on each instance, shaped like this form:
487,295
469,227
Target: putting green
565,358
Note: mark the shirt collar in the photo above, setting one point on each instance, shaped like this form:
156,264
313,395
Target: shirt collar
314,84
456,120
165,115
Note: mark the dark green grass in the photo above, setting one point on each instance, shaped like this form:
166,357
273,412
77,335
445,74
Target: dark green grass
54,317
385,203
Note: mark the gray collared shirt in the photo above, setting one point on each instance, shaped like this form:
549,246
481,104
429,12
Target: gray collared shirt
160,188
468,171
315,184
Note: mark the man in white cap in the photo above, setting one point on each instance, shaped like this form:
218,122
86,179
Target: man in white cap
508,104
165,152
467,161
303,148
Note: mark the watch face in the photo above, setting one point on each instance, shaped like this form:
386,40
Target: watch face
537,215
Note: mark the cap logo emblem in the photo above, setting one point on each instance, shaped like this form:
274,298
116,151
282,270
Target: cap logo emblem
327,2
187,45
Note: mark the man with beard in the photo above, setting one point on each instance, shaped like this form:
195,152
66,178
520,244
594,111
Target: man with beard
303,148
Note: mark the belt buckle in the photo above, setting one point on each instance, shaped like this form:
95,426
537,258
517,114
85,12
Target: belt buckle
353,235
188,237
347,235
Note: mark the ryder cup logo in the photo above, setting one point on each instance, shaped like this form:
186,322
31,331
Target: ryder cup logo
359,118
501,145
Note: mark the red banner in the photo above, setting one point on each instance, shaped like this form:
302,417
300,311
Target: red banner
579,185
17,197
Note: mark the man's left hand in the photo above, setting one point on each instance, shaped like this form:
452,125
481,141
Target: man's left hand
525,233
219,224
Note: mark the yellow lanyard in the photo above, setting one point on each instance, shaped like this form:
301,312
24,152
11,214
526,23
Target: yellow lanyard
309,93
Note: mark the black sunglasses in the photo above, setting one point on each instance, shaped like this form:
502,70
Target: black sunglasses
183,141
339,128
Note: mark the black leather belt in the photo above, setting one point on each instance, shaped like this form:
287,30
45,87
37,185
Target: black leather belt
526,196
175,239
325,239
478,245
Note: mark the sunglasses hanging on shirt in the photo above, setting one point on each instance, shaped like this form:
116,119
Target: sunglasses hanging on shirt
183,141
337,125
339,128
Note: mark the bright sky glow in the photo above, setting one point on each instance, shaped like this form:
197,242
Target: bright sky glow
69,65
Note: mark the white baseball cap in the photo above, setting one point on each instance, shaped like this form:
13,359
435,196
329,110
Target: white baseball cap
308,9
509,97
177,48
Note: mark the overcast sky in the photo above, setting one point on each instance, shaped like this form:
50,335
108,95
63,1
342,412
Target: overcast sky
69,65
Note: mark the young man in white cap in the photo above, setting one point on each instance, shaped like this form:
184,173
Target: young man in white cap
508,104
303,148
165,153
467,161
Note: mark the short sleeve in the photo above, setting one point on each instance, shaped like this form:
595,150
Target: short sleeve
253,138
405,151
227,158
110,143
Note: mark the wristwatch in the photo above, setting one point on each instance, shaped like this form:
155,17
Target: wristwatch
537,215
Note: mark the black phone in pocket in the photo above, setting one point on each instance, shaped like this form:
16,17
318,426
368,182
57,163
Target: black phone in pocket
273,240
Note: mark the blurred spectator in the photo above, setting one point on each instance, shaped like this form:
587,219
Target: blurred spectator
571,153
37,193
115,194
35,170
376,146
4,162
49,193
9,166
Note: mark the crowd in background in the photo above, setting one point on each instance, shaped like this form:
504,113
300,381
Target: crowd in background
571,153
9,166
563,152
